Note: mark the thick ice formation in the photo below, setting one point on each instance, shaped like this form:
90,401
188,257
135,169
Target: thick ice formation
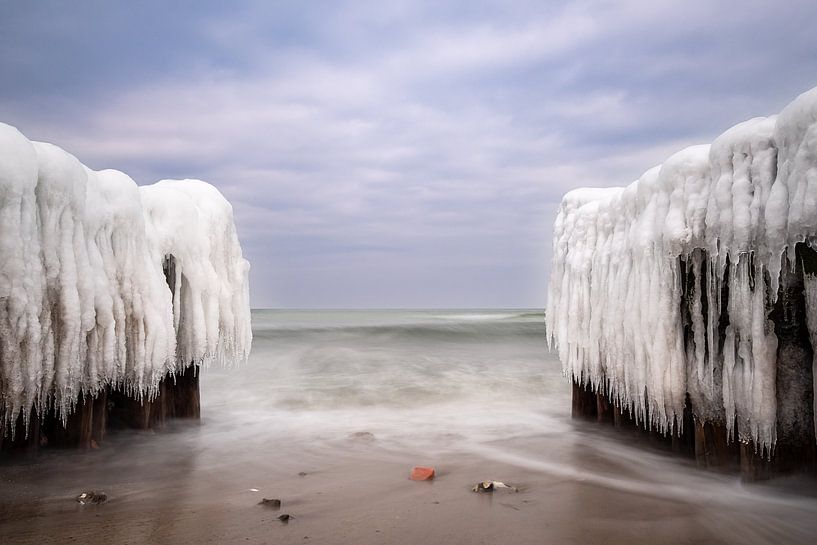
731,212
83,298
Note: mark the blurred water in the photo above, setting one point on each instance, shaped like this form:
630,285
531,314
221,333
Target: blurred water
477,382
463,390
430,379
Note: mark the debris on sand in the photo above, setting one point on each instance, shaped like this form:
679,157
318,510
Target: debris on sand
92,497
302,474
285,518
271,503
420,473
490,486
365,436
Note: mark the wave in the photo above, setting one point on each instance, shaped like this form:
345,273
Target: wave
473,317
449,330
376,321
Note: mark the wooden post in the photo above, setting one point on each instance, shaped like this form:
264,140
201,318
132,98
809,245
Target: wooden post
158,406
683,440
85,421
178,397
713,449
604,409
585,404
142,411
618,417
32,443
22,444
187,396
753,467
100,417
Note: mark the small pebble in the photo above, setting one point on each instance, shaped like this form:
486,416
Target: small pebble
92,497
269,502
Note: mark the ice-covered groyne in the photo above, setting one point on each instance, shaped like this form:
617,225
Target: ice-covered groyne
699,279
86,259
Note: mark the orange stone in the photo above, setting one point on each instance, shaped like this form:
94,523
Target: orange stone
422,473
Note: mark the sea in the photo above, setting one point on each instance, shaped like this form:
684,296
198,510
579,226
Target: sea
334,408
422,379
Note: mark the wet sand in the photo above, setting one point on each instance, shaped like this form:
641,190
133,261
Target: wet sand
355,400
362,494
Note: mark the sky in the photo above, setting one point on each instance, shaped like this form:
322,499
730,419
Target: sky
396,154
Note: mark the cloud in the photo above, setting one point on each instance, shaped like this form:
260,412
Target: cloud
407,154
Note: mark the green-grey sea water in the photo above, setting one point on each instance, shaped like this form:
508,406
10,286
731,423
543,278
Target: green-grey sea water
447,378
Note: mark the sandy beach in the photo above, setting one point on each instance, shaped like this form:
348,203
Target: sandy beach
262,263
331,415
359,498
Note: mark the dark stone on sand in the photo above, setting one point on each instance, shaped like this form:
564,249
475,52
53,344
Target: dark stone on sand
271,503
284,518
303,474
92,497
366,436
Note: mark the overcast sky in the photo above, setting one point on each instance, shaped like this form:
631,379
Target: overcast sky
396,154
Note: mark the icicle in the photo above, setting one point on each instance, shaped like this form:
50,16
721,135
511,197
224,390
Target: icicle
732,210
83,298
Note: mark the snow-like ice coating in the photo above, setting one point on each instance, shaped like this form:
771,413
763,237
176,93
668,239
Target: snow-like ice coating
733,211
84,302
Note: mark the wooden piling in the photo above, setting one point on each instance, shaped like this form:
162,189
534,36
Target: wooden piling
111,408
707,440
20,442
604,410
187,399
585,404
713,449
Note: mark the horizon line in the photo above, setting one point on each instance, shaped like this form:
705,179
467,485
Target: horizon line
398,308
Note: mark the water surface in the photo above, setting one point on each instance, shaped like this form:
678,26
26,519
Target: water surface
335,407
